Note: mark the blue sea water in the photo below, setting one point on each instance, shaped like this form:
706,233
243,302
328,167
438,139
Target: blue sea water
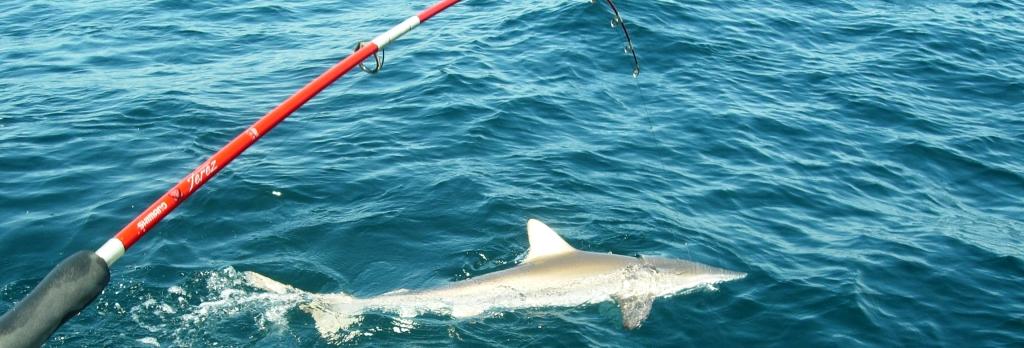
860,160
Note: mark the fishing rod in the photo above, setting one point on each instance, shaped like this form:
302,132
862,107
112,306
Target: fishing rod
80,278
630,49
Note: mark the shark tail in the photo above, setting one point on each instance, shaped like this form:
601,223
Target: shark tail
331,312
269,285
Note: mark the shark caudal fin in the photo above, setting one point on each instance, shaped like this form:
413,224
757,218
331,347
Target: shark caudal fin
331,312
269,285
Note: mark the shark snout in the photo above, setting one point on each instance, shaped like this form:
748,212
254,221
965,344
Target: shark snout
689,271
718,275
724,275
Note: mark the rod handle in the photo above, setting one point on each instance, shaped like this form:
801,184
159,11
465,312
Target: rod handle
68,289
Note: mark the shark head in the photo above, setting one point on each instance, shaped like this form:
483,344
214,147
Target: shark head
676,275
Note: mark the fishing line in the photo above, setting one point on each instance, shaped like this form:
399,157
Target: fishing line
646,114
631,50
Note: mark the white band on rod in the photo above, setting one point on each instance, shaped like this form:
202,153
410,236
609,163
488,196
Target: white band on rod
396,31
111,251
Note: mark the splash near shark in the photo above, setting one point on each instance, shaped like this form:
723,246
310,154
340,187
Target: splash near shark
553,274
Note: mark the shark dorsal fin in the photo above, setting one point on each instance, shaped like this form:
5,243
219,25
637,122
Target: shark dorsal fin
544,241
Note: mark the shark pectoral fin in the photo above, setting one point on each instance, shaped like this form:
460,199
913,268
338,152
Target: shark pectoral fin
635,308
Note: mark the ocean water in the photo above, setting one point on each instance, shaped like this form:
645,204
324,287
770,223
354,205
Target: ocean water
860,160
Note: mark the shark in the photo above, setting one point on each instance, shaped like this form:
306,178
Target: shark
553,274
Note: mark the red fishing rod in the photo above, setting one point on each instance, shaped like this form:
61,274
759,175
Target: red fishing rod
77,280
115,247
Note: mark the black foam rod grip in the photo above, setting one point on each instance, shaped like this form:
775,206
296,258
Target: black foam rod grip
68,289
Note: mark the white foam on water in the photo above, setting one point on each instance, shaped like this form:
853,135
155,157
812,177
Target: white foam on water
231,296
222,295
149,341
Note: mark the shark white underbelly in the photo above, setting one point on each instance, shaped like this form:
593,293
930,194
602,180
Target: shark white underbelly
553,274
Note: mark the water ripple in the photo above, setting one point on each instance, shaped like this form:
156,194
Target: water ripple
860,160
